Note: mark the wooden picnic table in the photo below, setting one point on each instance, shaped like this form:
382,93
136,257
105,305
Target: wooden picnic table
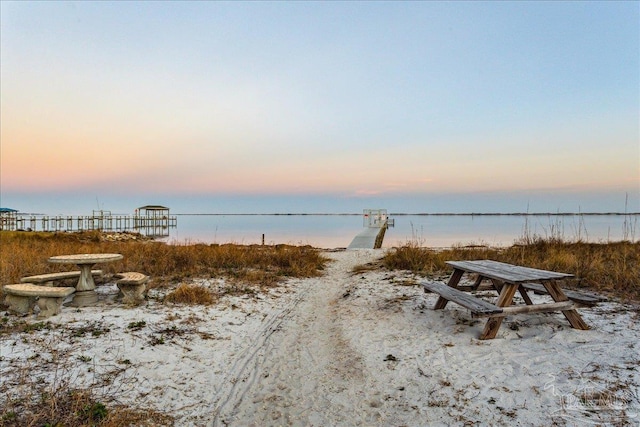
506,279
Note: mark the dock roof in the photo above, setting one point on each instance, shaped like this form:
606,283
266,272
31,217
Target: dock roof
154,208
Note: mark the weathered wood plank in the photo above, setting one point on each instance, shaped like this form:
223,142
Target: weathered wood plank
522,271
476,305
452,283
536,308
524,295
581,297
493,324
572,316
506,272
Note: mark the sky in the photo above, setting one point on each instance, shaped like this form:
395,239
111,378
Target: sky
320,106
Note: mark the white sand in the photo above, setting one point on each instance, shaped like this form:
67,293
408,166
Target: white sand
348,350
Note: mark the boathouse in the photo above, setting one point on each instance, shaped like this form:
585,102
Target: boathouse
8,219
153,220
153,211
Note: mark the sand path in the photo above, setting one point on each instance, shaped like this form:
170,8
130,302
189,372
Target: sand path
300,367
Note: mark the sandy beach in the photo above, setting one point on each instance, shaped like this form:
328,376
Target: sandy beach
342,349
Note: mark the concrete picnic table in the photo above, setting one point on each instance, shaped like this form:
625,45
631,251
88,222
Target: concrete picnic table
85,294
506,280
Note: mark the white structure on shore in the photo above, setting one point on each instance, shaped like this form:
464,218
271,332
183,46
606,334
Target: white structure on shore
377,218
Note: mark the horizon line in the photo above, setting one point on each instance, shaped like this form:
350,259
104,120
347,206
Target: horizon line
412,213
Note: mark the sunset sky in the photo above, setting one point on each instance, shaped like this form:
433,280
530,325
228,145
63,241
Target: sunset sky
411,106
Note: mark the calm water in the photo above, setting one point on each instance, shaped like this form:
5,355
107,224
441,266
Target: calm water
334,231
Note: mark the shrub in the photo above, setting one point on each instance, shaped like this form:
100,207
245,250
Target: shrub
192,295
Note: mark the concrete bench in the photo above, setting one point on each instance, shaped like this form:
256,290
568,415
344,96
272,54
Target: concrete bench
579,297
132,286
478,307
48,278
20,298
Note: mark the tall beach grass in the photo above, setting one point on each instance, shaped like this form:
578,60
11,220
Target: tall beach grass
26,253
613,268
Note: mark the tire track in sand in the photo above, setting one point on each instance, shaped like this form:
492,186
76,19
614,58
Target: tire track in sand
307,373
243,371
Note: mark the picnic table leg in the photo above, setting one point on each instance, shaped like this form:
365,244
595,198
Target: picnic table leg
477,283
504,300
453,282
525,295
85,282
497,285
572,315
85,294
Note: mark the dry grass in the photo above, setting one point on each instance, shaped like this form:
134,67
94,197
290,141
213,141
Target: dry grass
191,295
26,253
601,267
41,392
75,407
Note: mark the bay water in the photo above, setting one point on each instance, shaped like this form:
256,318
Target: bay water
337,230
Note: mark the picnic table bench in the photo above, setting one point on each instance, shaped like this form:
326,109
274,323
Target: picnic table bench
21,296
132,285
583,298
48,278
507,279
477,306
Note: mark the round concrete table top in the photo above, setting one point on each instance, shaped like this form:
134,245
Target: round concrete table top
85,258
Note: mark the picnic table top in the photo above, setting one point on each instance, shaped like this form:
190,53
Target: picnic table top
507,272
85,258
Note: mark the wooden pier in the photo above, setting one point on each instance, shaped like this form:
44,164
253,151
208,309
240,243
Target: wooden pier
376,223
369,238
153,226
